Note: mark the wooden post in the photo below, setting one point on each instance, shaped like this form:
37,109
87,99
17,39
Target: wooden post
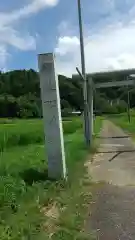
52,116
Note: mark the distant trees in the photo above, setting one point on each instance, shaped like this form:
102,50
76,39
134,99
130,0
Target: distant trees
20,96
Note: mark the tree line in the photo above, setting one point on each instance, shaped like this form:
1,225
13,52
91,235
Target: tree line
20,96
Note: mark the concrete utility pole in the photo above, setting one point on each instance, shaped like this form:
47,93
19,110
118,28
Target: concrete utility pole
85,85
90,102
52,116
128,107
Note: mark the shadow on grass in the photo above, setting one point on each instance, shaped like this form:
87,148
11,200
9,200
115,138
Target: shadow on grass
32,175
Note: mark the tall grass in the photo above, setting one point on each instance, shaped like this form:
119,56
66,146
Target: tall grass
122,121
24,184
24,132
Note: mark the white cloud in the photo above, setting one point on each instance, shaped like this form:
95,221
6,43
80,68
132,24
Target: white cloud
10,36
67,45
33,7
111,48
3,56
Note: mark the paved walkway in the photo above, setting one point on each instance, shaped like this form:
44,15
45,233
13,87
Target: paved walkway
113,172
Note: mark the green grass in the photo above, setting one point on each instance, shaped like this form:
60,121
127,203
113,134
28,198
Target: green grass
122,121
25,188
24,132
97,125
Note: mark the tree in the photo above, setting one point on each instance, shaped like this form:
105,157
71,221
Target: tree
20,95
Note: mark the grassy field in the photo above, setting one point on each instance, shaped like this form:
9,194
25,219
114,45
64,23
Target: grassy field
122,121
26,193
22,132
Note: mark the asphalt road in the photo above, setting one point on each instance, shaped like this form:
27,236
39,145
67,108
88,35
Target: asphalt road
112,211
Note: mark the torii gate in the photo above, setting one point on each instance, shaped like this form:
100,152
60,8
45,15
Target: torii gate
52,112
92,85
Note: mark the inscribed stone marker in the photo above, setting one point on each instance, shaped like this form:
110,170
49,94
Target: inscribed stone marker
52,116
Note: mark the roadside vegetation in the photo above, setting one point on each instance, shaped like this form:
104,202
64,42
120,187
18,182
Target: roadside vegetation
32,206
122,121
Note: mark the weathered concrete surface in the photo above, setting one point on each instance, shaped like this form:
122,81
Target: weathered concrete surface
52,116
113,174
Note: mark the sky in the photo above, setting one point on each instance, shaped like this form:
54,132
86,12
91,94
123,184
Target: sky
30,27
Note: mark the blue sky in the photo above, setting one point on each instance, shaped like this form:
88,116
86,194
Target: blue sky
29,27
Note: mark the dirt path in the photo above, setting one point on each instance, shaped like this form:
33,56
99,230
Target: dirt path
113,172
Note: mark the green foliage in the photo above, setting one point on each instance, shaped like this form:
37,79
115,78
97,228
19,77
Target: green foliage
122,121
122,106
19,207
66,112
20,94
25,188
71,92
104,105
22,132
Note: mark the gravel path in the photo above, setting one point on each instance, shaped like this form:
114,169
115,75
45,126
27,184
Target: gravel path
113,174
